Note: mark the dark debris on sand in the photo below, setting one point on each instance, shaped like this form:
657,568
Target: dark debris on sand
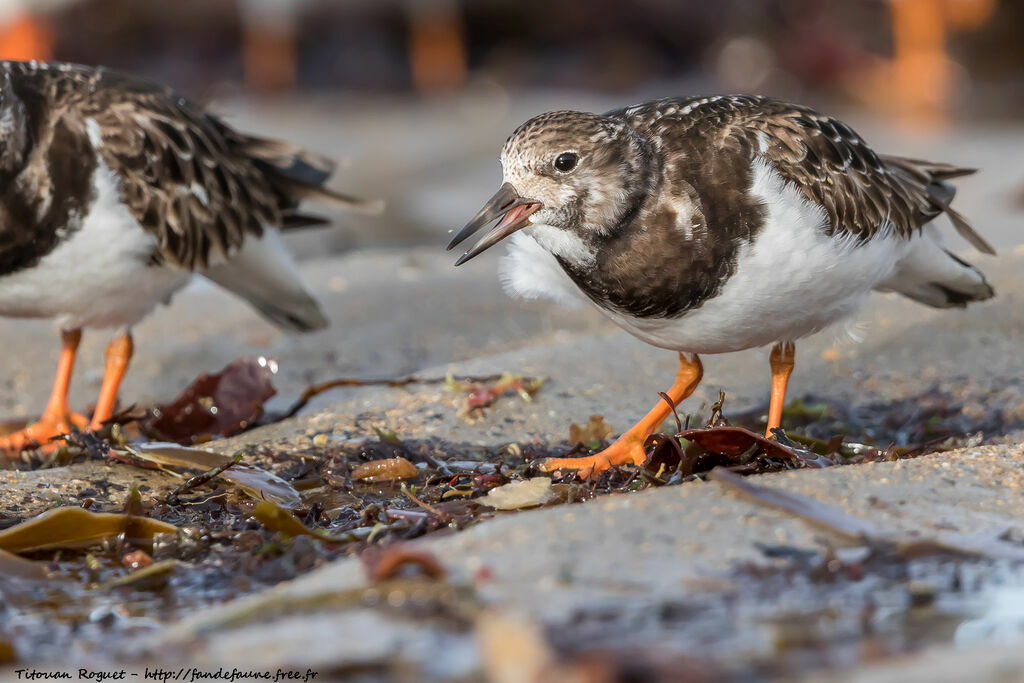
351,496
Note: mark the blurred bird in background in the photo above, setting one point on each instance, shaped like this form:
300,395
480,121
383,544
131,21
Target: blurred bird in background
115,192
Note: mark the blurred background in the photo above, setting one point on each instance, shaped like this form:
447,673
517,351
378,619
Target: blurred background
414,97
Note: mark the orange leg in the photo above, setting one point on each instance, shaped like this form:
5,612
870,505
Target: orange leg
782,360
119,354
56,418
629,448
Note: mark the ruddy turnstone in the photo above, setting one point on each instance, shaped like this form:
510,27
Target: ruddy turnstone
715,224
115,191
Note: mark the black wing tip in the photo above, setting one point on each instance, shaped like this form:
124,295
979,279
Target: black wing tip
968,232
305,168
938,171
366,207
298,190
305,319
959,299
293,221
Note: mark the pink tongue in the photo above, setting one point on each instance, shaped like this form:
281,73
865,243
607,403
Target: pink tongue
512,216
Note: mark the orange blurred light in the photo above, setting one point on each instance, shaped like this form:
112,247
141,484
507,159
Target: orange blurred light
437,50
969,15
920,69
269,56
917,84
26,37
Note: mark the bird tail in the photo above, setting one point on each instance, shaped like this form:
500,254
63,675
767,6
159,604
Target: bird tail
929,179
264,274
931,275
298,174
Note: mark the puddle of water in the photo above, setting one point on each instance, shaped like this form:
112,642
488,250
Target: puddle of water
798,611
799,616
1001,621
64,617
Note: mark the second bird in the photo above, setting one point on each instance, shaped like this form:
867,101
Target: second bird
114,191
716,224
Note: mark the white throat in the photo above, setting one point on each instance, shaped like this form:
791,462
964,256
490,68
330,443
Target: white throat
564,244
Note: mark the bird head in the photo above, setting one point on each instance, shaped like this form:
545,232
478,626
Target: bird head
570,178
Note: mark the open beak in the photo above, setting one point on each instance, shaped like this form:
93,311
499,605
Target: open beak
514,211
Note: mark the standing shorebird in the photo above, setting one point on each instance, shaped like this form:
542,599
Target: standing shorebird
114,191
716,224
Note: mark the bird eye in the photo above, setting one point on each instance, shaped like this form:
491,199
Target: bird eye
566,161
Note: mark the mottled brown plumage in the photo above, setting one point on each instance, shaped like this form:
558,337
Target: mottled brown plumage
717,224
113,191
861,191
659,203
190,179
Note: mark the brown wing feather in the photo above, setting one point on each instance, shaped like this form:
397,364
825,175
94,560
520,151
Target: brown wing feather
197,184
301,174
181,176
928,178
861,192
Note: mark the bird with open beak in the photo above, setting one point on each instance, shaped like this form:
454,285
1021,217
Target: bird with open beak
716,224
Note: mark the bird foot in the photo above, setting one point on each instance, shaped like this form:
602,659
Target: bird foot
629,448
41,433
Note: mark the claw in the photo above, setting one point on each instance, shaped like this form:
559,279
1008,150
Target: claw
628,449
41,434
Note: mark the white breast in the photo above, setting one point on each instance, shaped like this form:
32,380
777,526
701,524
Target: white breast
793,280
529,271
98,277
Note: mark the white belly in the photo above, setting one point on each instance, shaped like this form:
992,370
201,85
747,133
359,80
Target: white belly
99,277
793,280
